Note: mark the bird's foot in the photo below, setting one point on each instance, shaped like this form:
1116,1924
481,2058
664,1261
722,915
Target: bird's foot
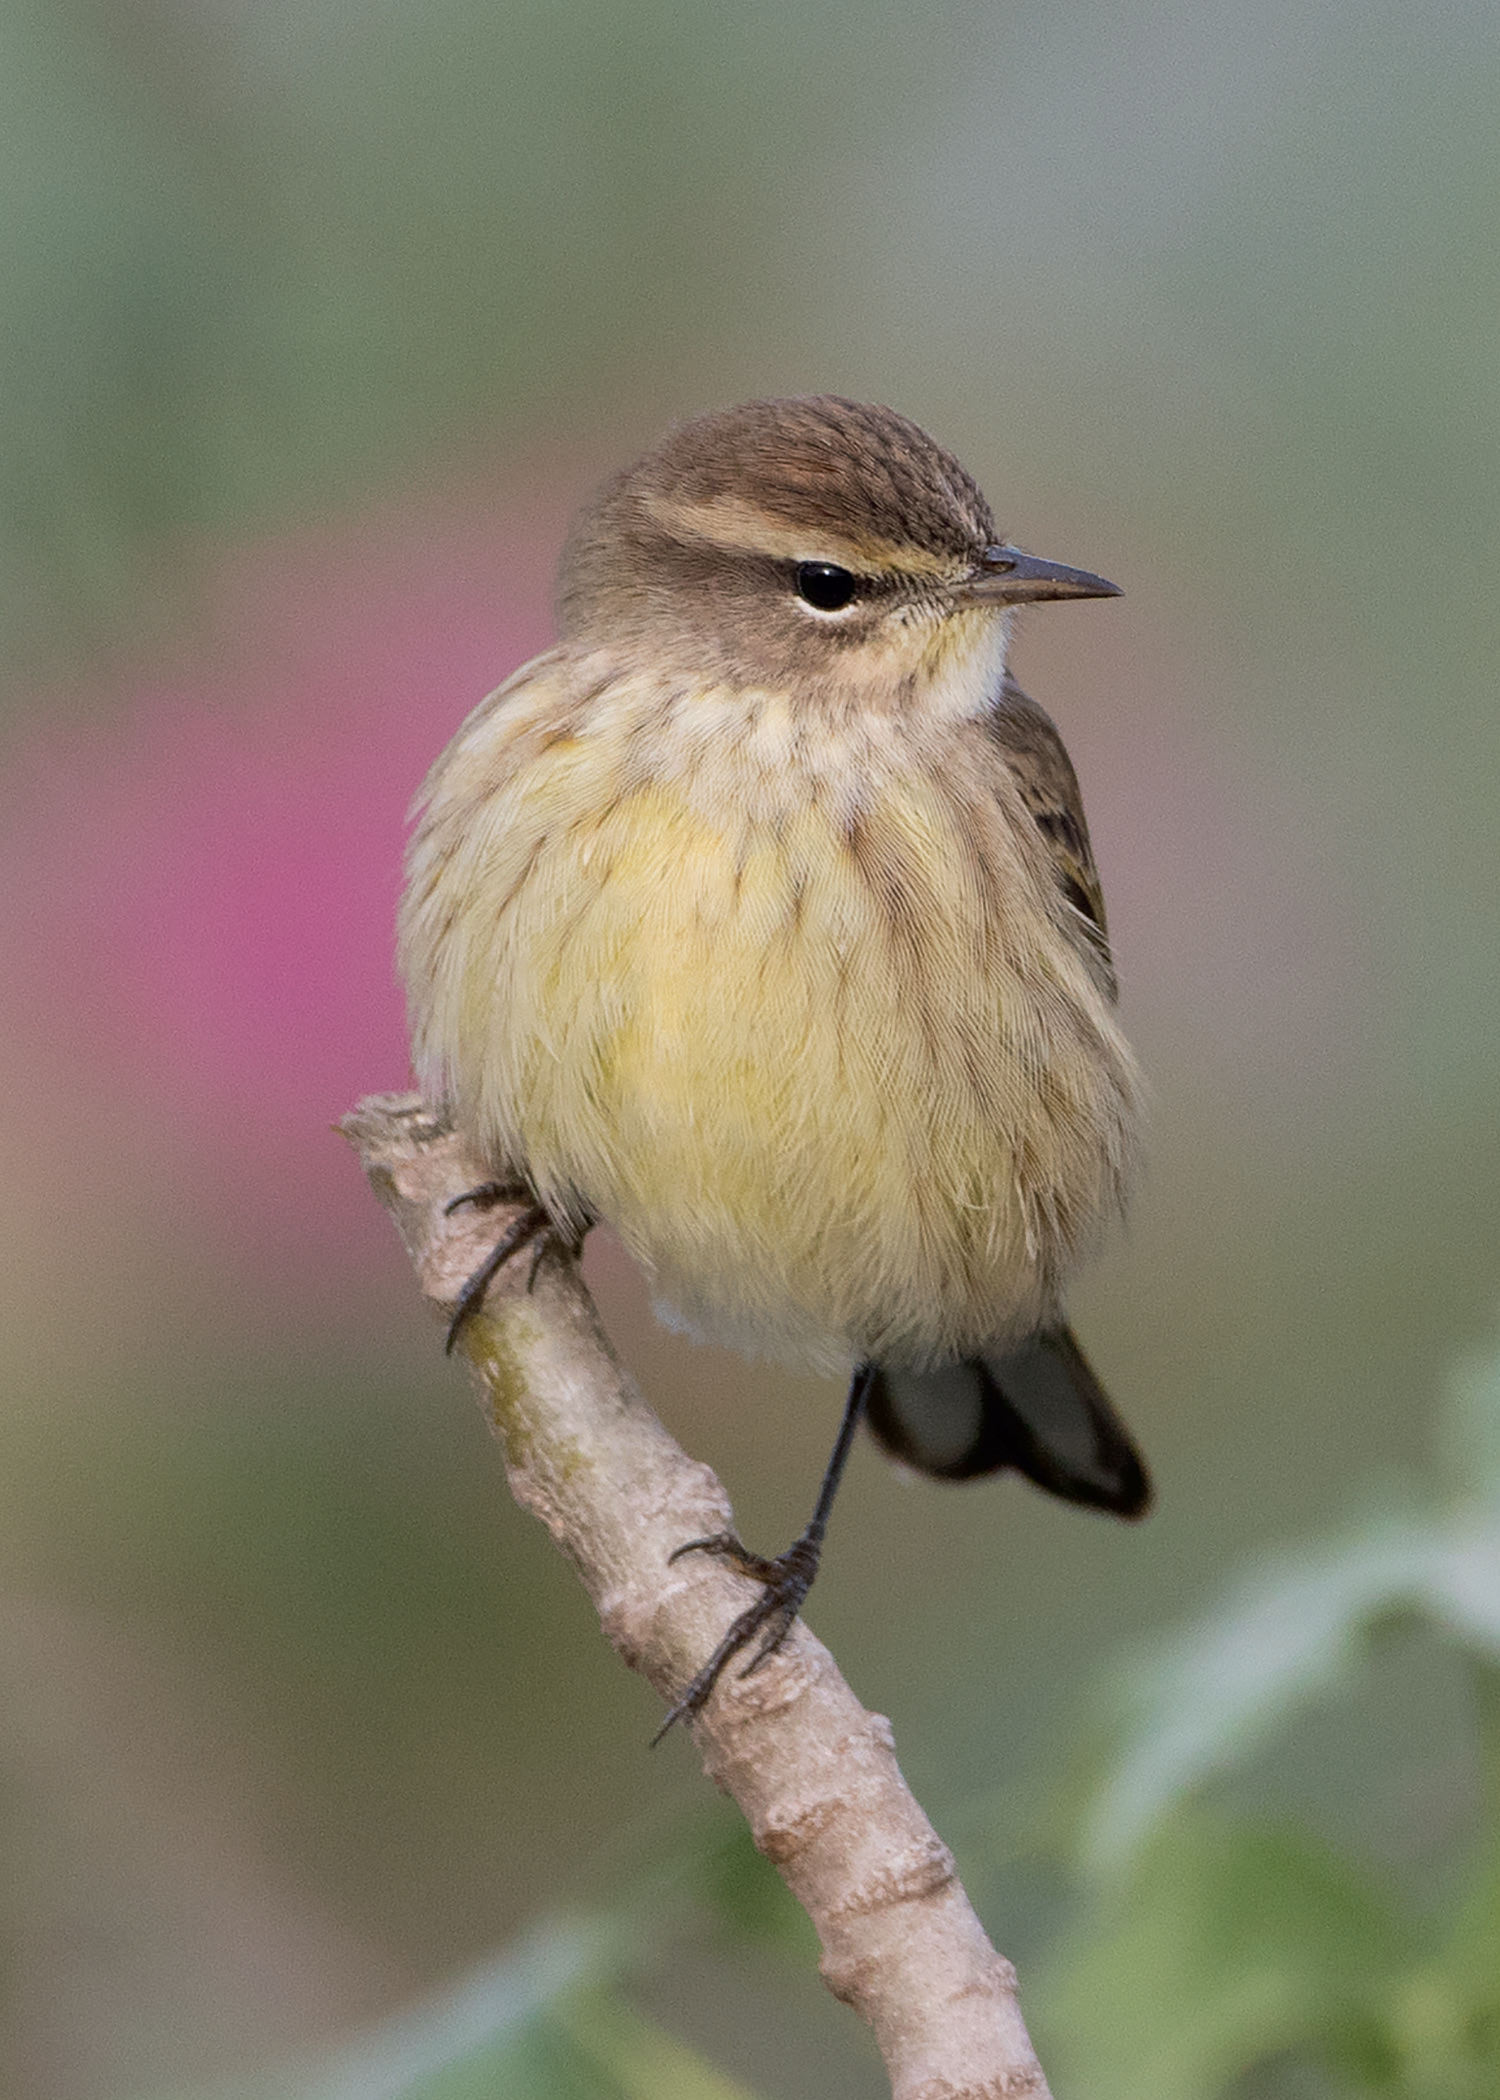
531,1224
768,1621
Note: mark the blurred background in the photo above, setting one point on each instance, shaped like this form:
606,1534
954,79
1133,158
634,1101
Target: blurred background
315,324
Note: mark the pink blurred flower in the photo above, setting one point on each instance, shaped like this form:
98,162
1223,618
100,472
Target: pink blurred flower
199,882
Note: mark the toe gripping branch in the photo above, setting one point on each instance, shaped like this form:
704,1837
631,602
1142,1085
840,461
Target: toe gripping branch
533,1223
787,1578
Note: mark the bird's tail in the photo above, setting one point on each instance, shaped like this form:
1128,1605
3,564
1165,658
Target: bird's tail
1038,1408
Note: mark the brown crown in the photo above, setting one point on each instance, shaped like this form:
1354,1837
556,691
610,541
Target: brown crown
819,461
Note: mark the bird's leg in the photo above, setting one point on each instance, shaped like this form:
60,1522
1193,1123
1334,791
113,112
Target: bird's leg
529,1224
787,1578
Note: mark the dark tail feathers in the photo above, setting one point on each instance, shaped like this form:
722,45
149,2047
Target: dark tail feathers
1039,1409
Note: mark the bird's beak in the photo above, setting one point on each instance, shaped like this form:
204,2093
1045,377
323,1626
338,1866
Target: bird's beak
1006,576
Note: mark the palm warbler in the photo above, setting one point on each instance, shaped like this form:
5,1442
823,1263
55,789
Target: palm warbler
758,918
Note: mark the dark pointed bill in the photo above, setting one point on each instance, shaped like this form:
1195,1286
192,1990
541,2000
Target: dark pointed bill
1006,576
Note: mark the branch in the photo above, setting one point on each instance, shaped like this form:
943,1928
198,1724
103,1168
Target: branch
815,1775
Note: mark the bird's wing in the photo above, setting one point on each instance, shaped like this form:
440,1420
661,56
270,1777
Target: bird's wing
1043,772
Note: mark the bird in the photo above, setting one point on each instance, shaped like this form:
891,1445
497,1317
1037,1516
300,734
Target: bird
757,918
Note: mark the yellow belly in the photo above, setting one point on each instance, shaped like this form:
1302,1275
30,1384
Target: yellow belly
838,1097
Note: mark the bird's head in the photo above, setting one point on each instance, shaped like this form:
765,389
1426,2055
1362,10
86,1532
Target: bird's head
815,546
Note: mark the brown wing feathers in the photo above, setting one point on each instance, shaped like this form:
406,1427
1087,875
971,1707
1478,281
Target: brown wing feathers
1044,773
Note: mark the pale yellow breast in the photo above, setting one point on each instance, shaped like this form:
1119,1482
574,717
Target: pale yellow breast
817,1056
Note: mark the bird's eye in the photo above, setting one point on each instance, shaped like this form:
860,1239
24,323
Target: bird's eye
824,585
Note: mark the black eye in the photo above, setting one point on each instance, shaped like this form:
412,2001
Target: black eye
824,585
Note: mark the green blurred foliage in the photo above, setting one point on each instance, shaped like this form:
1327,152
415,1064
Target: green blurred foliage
1217,1944
541,2023
256,259
1226,1945
1215,1955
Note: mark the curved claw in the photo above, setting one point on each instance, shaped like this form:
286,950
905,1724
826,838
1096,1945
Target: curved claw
788,1579
723,1545
526,1227
484,1196
716,1542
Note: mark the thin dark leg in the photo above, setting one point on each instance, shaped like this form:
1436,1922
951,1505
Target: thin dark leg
524,1228
787,1578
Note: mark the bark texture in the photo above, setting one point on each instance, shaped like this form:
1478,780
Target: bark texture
815,1774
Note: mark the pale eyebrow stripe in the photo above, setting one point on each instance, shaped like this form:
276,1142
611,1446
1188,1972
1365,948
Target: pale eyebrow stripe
741,528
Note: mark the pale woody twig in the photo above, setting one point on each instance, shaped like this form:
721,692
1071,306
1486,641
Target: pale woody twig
815,1774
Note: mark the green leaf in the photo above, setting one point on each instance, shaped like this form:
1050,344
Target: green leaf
430,2052
1469,1428
1227,1944
641,2060
1443,2017
1213,1693
497,2016
537,2024
1288,1634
